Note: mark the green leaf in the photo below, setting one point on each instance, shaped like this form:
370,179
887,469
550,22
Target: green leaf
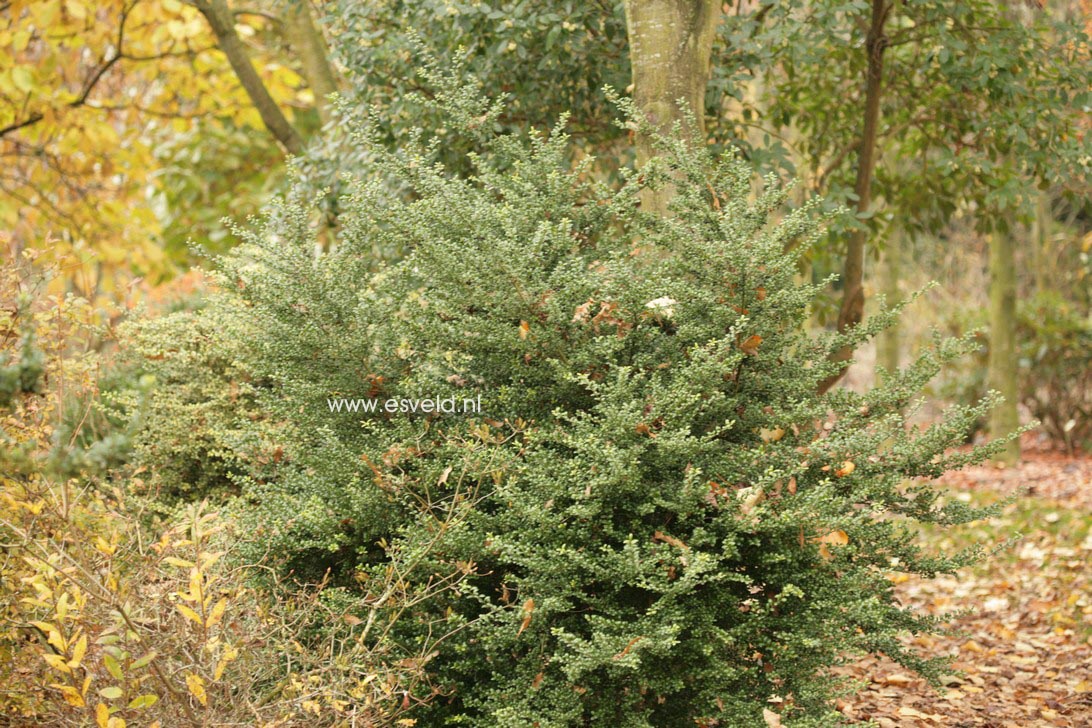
143,701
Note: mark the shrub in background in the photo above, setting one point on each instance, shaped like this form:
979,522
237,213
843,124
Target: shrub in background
107,621
1054,348
199,430
657,519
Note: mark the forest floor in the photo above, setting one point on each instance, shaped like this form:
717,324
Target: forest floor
1024,650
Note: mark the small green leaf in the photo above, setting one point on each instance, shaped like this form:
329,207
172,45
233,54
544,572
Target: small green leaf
143,701
143,661
112,666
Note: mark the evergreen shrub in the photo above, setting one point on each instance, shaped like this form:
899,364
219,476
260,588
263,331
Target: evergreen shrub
655,520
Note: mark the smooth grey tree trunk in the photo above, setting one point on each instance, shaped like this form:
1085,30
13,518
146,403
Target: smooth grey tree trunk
670,45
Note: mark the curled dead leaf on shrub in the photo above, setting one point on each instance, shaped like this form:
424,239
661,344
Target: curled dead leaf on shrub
528,612
834,538
772,434
750,497
669,539
750,345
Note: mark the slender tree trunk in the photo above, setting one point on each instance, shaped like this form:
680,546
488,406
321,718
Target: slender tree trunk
306,40
852,309
222,22
670,44
887,353
1002,361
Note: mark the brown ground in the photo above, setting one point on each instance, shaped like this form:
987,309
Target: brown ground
1027,651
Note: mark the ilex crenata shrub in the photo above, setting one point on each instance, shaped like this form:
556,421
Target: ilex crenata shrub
654,519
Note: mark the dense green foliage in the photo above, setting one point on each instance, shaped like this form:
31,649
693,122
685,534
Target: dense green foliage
656,519
977,99
199,429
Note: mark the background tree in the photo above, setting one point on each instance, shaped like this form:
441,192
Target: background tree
953,97
670,46
92,97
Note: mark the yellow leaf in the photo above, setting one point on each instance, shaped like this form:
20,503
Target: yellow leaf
102,715
53,636
75,9
78,652
197,688
22,79
207,560
217,613
190,613
104,546
181,563
57,663
112,692
847,468
524,329
71,695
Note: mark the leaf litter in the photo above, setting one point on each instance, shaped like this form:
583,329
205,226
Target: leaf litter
1022,656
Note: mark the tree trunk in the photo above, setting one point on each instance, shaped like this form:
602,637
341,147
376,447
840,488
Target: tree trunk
222,22
887,350
670,44
852,309
306,41
1002,361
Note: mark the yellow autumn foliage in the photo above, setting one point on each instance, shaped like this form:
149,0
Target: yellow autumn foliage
110,621
89,90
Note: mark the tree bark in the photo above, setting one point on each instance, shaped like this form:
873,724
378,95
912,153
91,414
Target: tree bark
670,45
852,309
222,23
1001,371
305,39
